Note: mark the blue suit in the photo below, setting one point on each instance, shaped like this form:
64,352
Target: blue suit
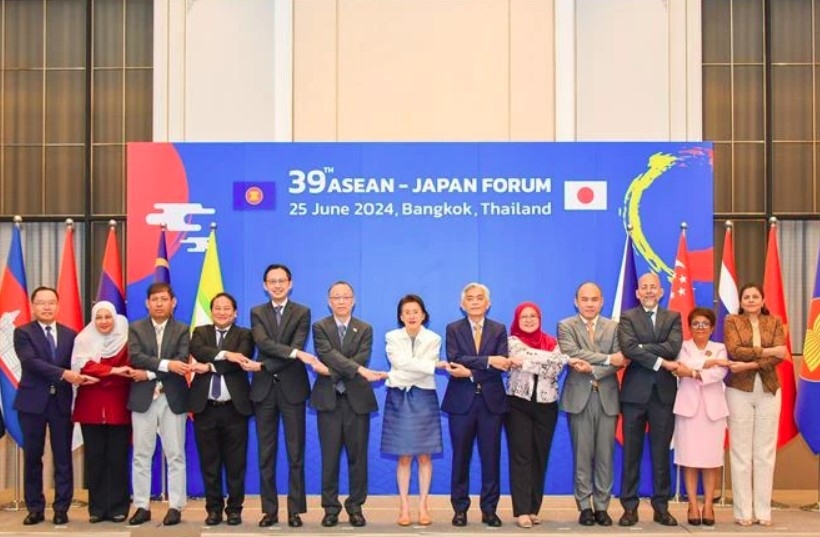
476,407
44,399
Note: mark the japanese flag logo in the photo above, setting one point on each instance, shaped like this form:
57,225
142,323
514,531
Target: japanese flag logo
585,195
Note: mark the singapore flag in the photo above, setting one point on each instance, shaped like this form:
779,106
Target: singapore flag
585,195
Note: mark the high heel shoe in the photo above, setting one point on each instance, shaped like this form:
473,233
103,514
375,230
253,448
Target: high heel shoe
743,522
424,519
765,523
707,521
693,520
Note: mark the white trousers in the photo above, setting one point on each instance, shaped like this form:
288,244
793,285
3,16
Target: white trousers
754,418
171,428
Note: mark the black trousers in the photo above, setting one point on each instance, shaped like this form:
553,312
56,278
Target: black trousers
106,467
661,422
530,427
343,428
222,442
268,415
34,440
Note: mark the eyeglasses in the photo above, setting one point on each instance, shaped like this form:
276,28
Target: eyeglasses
341,298
701,324
280,281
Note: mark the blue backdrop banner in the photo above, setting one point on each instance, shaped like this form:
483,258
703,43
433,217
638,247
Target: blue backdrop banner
529,220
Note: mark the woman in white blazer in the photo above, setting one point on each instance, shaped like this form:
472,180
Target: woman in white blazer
412,423
700,413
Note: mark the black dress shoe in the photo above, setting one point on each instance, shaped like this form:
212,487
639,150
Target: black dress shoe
664,518
491,519
460,519
60,518
213,518
629,518
294,520
586,518
119,518
34,517
95,519
234,518
172,517
268,520
602,518
140,516
330,520
357,520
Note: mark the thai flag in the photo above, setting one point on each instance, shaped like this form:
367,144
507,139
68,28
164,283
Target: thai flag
14,311
111,288
727,284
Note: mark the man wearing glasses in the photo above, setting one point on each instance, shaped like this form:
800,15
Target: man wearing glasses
280,388
344,400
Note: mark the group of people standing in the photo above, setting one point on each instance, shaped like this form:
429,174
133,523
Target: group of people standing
134,383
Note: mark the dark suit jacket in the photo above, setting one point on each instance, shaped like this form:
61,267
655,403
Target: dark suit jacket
344,360
204,349
461,349
142,348
644,345
274,352
39,371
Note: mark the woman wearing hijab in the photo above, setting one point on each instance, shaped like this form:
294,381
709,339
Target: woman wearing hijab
412,426
532,392
101,351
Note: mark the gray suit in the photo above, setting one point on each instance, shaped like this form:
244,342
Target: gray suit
593,411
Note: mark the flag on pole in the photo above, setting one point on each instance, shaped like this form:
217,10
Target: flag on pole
625,297
776,302
14,311
727,283
111,287
162,269
210,283
808,393
681,295
71,308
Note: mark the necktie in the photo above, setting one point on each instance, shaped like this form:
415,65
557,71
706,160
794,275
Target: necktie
160,329
52,343
220,338
649,315
278,310
591,332
340,384
216,378
477,336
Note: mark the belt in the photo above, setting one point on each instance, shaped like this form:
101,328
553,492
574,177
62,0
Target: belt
212,402
52,390
594,384
341,394
478,388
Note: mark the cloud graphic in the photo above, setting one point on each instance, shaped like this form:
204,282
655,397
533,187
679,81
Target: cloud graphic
174,215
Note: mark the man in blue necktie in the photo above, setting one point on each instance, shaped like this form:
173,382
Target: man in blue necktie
44,400
344,400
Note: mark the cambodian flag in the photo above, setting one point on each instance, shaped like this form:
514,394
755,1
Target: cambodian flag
625,298
14,311
727,283
111,288
808,389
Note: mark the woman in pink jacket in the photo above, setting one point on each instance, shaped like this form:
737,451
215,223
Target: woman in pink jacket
700,413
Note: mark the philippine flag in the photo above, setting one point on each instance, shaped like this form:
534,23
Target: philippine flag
585,195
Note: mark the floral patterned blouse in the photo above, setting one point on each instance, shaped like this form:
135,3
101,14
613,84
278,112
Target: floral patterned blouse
546,365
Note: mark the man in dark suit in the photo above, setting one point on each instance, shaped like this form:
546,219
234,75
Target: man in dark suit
476,404
280,389
158,348
344,400
590,399
44,400
650,336
221,406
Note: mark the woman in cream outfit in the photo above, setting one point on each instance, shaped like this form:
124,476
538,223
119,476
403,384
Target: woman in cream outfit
755,341
412,422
